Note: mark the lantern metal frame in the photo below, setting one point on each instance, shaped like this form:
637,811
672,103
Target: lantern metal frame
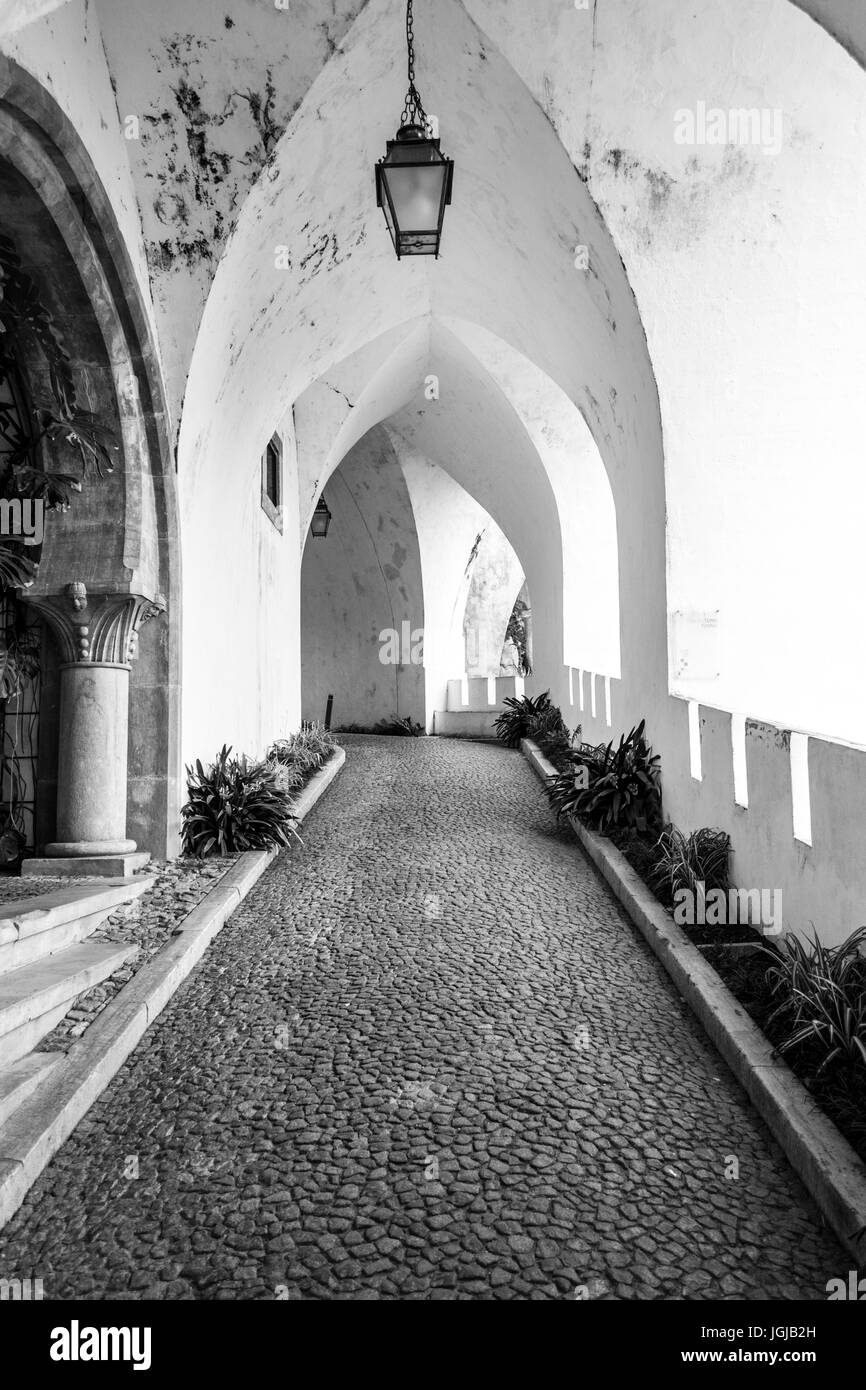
321,519
414,139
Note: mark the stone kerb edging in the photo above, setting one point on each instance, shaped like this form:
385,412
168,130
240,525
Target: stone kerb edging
35,1131
821,1156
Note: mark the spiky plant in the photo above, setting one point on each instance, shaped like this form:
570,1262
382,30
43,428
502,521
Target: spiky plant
621,787
234,805
685,861
521,714
822,996
307,750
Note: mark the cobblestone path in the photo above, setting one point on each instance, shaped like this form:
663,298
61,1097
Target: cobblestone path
427,1059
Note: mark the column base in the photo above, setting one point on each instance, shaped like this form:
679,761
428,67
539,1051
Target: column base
74,849
85,866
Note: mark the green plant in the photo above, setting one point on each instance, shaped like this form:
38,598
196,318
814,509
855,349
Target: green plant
620,786
822,993
522,713
586,766
685,861
550,732
306,751
545,725
289,776
235,805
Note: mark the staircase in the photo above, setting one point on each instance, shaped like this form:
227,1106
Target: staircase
46,962
473,705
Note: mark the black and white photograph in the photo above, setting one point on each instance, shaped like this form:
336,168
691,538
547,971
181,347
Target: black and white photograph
432,718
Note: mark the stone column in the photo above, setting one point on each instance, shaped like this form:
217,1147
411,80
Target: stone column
98,638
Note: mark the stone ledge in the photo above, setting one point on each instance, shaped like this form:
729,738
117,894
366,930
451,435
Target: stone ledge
41,1123
820,1155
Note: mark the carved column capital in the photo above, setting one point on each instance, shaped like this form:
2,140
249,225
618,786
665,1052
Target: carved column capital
96,627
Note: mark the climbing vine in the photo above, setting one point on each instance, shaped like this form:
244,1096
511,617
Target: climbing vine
516,632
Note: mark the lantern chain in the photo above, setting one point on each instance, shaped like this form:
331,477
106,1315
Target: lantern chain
413,110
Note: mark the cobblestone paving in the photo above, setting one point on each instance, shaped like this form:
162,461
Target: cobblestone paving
427,1059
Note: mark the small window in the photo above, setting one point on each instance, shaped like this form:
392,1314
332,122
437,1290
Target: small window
695,741
741,768
272,481
800,794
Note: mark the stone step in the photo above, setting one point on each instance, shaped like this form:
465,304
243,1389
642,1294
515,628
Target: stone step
36,927
35,997
21,1040
20,1079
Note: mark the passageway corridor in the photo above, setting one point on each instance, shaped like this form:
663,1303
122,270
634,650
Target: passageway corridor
428,1058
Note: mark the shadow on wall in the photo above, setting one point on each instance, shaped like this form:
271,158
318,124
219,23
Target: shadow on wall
362,605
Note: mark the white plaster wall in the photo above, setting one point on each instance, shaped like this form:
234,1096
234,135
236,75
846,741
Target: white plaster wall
15,14
250,691
214,87
361,580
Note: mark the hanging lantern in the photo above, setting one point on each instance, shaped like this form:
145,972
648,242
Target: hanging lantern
321,518
413,180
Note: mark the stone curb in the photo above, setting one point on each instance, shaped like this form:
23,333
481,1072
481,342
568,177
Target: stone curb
820,1155
35,1131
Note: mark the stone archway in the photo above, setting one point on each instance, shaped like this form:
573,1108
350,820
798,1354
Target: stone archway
108,748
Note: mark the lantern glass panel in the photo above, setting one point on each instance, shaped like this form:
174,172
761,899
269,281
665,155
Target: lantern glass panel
414,189
321,520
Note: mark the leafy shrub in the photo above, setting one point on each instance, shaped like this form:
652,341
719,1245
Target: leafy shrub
524,713
683,861
822,993
623,785
546,725
550,732
540,720
557,747
587,765
304,752
639,851
235,805
289,777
